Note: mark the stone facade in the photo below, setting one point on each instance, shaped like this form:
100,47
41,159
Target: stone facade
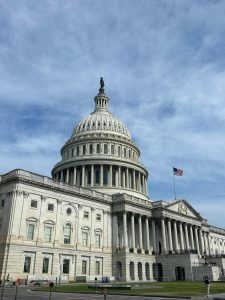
94,218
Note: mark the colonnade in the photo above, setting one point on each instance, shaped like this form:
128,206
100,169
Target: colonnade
104,175
147,235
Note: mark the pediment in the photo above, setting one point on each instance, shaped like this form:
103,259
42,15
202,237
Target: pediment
184,208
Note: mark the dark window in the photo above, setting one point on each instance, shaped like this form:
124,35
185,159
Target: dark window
86,214
105,177
98,148
84,267
125,152
91,149
112,149
84,149
69,211
78,151
105,149
72,152
33,203
26,267
89,177
98,217
50,206
97,176
66,266
45,265
2,203
119,152
67,234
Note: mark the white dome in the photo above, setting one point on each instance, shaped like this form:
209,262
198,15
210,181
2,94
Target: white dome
101,121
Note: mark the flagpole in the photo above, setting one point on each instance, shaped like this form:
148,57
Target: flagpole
174,187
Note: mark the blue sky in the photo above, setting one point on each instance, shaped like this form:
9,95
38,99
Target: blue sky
163,64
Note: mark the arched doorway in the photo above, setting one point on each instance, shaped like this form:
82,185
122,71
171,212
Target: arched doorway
147,271
140,271
160,248
160,272
132,270
179,273
118,270
155,271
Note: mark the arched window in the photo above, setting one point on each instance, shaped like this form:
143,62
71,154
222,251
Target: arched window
112,149
125,152
78,151
98,148
132,276
67,233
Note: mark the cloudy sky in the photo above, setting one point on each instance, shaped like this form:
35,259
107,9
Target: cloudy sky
163,64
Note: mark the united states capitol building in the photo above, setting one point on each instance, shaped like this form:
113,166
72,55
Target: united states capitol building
93,218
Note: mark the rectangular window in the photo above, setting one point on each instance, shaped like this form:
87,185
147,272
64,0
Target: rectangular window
105,176
72,152
30,232
50,206
86,214
85,239
66,266
97,268
78,151
27,263
48,234
91,149
2,203
89,177
33,203
98,217
97,240
84,267
45,265
84,149
97,176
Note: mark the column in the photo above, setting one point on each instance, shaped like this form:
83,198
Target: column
83,175
147,234
132,232
175,235
101,175
115,231
125,230
163,234
170,235
119,176
123,174
74,176
201,242
192,238
146,184
181,236
127,178
140,232
143,183
134,186
186,236
110,175
196,239
92,175
139,181
154,236
206,243
67,175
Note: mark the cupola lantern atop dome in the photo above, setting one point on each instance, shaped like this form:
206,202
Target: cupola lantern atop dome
101,100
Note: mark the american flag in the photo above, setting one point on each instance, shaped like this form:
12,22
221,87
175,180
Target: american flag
177,172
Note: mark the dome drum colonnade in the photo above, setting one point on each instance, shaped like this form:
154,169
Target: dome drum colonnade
101,154
140,235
